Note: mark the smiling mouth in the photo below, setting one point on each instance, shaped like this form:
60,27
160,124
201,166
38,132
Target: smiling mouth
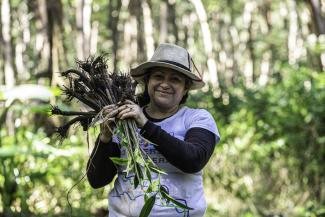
163,92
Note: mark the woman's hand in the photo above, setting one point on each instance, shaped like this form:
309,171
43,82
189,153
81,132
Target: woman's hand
109,112
131,110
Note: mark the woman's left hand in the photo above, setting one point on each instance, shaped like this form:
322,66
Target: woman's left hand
131,110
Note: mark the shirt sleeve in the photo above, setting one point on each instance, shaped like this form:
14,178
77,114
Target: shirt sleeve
100,169
190,155
201,118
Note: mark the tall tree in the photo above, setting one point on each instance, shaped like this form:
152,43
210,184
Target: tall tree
79,31
250,45
114,8
21,42
42,47
129,23
87,26
2,77
163,27
207,41
7,45
317,16
54,30
135,9
83,24
94,37
172,20
293,49
248,66
148,28
319,21
130,35
268,55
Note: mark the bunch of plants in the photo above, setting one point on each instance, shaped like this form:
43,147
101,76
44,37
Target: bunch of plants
93,85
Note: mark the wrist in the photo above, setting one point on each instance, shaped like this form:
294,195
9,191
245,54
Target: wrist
142,122
105,137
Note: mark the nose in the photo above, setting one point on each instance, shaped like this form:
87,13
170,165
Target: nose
164,85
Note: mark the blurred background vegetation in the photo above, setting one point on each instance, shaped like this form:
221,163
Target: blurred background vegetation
263,60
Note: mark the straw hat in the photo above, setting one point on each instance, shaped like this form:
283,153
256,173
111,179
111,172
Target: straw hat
173,57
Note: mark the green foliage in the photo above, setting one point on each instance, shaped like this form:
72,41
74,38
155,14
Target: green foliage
270,161
146,209
36,172
272,150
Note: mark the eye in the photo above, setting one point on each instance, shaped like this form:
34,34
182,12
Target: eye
158,76
176,79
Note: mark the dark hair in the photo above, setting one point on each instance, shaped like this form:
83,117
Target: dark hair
144,99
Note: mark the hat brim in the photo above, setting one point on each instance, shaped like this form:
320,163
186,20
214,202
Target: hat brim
139,72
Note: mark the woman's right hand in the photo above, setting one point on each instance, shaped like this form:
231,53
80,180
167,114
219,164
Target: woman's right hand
109,113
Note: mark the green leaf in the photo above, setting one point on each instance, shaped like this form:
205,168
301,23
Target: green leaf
156,170
136,181
162,189
148,174
119,161
154,186
149,189
139,171
56,91
146,209
169,198
8,151
146,197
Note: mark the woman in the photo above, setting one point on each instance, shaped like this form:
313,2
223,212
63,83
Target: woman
184,138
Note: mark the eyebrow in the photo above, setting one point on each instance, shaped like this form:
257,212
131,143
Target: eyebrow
158,71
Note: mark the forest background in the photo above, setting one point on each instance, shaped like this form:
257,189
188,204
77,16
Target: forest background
264,64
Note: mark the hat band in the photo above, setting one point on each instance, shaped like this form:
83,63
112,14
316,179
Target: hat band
176,64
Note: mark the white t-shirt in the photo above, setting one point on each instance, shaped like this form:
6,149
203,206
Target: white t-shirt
186,188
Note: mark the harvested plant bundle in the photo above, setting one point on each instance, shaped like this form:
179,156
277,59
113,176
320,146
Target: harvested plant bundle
94,86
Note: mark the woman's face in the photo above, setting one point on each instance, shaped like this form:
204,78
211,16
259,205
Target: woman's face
166,87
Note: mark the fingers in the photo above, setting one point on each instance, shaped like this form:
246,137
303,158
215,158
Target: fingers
110,111
127,101
132,110
124,111
128,111
110,114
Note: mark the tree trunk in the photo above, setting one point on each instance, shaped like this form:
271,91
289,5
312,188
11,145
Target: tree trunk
86,27
319,24
130,37
267,58
54,16
94,38
114,8
7,47
250,45
136,12
7,54
42,46
21,44
317,16
172,20
207,41
163,30
184,30
148,29
80,33
2,76
293,52
83,23
249,65
222,52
